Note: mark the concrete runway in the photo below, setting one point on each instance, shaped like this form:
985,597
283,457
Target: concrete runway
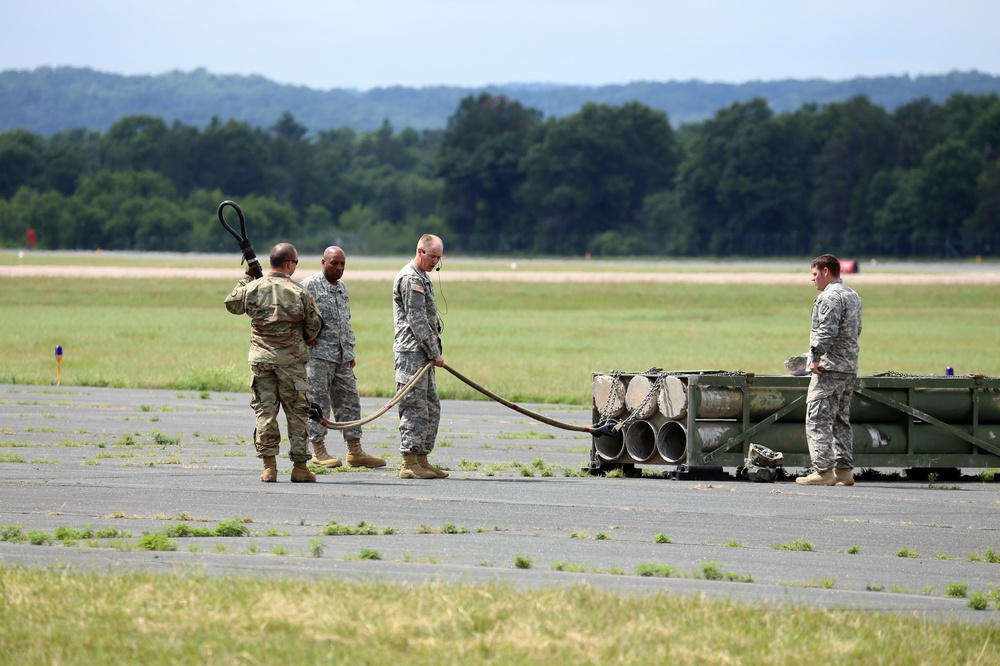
140,460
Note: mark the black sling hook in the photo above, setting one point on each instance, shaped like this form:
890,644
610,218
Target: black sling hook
253,266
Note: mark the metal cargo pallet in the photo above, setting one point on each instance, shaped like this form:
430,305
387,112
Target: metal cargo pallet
709,418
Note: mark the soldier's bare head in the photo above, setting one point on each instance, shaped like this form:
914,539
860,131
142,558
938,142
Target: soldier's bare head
430,248
334,260
428,242
827,261
825,269
282,254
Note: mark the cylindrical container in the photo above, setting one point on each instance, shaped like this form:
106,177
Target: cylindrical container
671,442
672,400
723,402
611,447
791,437
609,396
640,439
928,439
636,402
868,437
951,405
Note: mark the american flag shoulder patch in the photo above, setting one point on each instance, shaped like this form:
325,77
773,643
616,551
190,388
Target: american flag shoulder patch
418,288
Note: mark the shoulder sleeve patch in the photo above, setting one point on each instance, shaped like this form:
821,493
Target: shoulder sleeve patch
418,287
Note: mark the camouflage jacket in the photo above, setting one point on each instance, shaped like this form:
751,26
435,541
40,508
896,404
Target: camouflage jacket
282,314
336,341
836,327
415,313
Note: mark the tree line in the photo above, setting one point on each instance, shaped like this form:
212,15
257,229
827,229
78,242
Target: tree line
849,177
52,99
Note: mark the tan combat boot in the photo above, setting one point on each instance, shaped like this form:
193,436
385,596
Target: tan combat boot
818,478
437,472
411,469
358,458
301,473
321,457
270,473
844,476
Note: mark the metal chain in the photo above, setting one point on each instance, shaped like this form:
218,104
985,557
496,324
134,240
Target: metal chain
642,406
605,411
903,375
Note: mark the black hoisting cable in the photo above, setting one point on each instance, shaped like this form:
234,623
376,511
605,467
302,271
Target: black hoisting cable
253,266
604,429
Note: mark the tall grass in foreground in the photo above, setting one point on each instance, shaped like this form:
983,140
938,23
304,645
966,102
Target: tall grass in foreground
49,617
528,342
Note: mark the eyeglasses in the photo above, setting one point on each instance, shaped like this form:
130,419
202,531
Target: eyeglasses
294,261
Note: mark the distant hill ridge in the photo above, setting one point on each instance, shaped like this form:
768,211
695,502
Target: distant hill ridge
48,100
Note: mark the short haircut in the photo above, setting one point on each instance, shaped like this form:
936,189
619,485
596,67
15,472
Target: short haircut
827,261
427,241
281,253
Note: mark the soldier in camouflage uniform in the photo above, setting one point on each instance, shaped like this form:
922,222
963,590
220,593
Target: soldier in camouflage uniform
833,361
416,342
284,320
330,369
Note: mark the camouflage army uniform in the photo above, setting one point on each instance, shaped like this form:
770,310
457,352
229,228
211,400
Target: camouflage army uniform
283,318
416,342
332,384
833,343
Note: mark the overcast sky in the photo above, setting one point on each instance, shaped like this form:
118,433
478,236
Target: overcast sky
375,43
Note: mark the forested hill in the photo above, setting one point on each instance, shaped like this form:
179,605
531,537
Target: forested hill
48,100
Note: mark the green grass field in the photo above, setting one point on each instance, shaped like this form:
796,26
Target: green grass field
52,617
528,342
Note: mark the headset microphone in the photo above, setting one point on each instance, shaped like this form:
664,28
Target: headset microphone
440,287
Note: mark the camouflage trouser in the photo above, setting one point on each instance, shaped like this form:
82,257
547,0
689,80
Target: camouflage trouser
332,386
828,420
285,386
420,409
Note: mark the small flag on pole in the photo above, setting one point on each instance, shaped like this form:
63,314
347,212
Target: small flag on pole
58,364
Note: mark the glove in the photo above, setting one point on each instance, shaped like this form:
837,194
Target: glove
797,366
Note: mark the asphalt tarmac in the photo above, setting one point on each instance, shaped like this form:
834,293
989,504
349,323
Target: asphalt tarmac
144,460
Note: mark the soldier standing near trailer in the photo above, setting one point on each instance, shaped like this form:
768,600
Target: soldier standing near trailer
284,320
833,362
330,369
416,342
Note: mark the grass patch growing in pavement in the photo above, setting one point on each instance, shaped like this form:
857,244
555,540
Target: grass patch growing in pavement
362,528
796,544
